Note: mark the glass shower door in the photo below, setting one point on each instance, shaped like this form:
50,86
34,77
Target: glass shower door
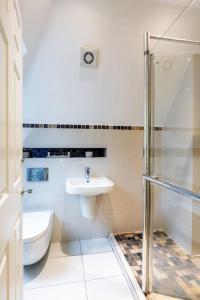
171,250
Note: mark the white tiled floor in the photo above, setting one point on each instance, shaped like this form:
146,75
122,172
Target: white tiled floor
101,265
74,291
108,289
64,249
59,270
66,273
95,246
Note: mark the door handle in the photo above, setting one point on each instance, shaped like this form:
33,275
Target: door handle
29,191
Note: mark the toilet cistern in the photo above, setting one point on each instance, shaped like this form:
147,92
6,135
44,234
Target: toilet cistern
87,174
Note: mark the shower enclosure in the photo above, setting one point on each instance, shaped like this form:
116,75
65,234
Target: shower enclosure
171,239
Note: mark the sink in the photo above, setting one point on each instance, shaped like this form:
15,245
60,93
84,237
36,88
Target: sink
96,186
88,192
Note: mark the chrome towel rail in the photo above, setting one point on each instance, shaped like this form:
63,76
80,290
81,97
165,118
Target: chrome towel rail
173,187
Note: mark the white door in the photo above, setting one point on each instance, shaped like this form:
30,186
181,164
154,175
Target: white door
10,150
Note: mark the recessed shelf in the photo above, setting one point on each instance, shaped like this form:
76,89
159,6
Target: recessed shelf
63,152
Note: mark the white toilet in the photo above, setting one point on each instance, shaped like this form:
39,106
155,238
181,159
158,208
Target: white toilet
37,231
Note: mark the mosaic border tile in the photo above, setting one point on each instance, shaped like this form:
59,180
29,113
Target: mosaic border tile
75,126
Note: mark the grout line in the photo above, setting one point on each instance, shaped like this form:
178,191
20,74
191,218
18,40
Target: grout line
83,270
84,277
86,293
102,278
81,250
95,253
74,282
64,256
54,284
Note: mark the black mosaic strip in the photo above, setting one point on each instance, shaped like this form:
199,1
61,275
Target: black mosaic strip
63,152
70,126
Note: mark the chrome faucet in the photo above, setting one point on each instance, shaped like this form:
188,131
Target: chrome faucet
87,174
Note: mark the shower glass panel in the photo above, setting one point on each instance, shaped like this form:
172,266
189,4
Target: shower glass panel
176,269
176,117
175,159
171,243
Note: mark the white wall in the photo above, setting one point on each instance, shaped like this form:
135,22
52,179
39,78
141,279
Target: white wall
111,94
118,212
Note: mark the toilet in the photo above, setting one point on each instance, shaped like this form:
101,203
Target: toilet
37,231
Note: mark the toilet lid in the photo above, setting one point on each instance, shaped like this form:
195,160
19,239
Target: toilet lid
35,224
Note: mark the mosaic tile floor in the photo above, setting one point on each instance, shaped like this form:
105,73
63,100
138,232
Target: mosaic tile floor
175,273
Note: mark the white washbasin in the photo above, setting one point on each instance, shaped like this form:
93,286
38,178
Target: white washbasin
96,186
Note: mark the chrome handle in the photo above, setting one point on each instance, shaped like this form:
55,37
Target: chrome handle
29,191
87,174
173,187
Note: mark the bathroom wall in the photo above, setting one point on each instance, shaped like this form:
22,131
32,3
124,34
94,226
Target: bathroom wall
118,212
112,93
58,90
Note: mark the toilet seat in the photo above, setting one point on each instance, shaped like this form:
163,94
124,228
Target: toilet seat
36,225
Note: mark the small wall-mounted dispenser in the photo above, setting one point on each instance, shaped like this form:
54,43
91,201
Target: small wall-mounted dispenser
89,57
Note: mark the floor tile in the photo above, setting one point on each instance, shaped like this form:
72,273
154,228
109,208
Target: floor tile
75,291
108,289
54,271
100,265
64,249
95,246
176,274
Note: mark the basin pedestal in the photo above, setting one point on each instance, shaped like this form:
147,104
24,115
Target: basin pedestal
88,190
88,206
